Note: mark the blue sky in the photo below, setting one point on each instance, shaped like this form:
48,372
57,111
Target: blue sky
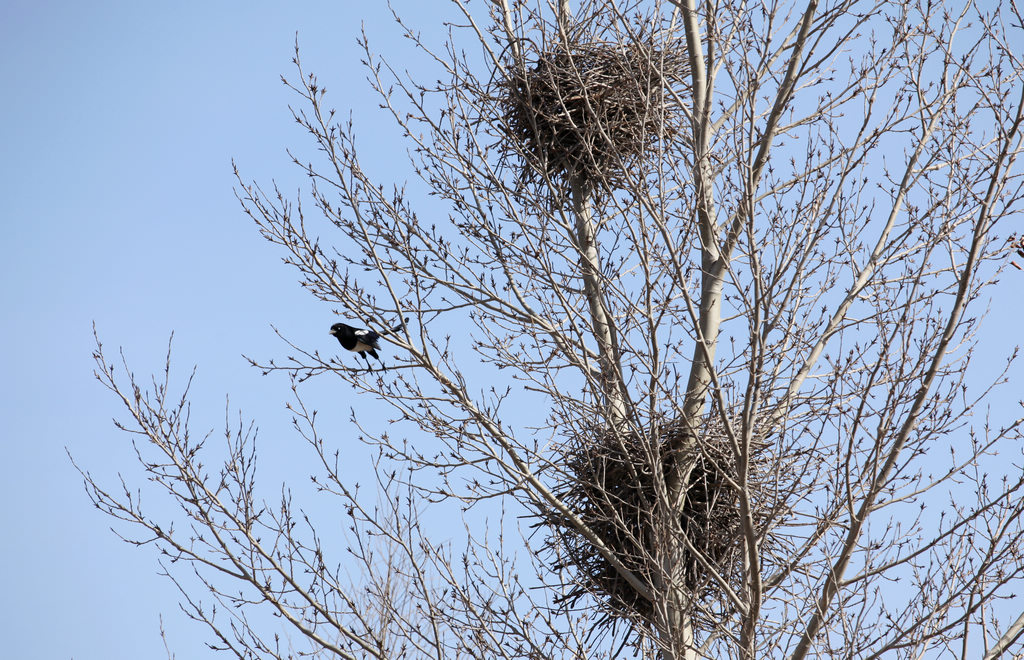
118,127
117,132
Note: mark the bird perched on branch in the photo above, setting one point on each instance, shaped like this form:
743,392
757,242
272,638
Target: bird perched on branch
361,340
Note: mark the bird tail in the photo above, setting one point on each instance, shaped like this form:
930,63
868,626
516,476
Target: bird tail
397,328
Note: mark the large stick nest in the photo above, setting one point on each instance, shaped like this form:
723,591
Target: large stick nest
611,484
589,111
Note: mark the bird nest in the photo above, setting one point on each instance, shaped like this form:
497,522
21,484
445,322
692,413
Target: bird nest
589,111
611,484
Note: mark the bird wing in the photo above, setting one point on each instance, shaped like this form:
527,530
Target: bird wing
368,337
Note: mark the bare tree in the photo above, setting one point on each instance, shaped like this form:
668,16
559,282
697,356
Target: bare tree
716,272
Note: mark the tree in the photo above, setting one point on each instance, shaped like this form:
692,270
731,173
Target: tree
717,273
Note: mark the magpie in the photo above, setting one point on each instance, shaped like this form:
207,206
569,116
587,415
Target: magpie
361,340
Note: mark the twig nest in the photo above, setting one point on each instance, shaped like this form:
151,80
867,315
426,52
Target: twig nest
589,111
612,483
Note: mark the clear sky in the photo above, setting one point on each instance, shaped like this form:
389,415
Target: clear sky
118,124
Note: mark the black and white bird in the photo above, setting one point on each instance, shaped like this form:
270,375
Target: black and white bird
360,340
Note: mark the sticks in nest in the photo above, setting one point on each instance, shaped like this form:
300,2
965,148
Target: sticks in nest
590,110
611,485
